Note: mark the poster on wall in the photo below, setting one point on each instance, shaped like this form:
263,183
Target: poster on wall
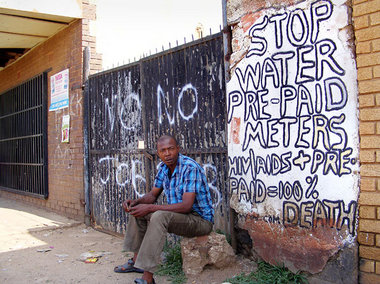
59,96
65,129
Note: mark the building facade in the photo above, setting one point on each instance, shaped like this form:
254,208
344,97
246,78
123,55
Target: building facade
56,53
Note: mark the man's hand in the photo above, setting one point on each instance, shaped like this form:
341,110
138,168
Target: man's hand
128,204
141,210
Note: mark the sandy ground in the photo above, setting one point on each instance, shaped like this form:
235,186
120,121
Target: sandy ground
41,247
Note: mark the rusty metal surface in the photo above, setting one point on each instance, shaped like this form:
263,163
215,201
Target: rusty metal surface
180,91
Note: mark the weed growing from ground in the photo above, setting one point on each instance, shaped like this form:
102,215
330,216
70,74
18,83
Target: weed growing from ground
172,266
268,274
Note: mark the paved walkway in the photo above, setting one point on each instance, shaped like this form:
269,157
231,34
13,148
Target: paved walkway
38,246
18,220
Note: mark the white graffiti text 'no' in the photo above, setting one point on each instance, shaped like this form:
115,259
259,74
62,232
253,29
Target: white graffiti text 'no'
161,97
128,107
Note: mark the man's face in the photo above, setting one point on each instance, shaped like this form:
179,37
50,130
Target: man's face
168,152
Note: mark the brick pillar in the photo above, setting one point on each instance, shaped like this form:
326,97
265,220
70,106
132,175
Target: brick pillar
366,16
88,37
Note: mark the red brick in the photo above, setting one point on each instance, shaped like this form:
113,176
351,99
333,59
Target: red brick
377,99
370,141
369,86
367,239
375,18
361,22
369,252
367,127
365,7
377,240
377,268
368,278
369,198
370,59
367,212
367,156
367,265
376,71
375,45
369,33
367,184
365,73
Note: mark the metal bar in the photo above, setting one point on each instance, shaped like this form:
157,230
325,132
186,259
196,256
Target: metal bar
145,128
86,139
226,42
21,164
116,151
21,137
45,132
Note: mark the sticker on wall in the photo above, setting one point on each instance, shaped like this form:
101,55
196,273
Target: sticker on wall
59,95
65,129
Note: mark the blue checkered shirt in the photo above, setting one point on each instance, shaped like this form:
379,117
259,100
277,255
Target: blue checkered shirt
188,176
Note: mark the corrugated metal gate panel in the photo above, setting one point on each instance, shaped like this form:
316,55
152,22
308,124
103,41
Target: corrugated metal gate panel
115,110
184,94
187,93
115,178
116,127
181,91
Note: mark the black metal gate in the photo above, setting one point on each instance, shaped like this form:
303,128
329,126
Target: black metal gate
23,138
180,91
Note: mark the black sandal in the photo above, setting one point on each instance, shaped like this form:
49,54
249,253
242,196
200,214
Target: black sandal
142,281
128,267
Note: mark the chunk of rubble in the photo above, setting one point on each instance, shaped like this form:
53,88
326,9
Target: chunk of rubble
212,249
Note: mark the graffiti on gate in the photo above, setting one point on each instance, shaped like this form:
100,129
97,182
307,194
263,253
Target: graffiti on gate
122,173
186,103
125,173
123,107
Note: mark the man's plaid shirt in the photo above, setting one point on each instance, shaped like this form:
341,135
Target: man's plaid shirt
188,176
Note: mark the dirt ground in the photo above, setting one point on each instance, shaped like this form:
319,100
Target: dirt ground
53,255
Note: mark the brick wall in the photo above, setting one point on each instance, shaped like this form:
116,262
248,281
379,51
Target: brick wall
366,16
88,37
62,51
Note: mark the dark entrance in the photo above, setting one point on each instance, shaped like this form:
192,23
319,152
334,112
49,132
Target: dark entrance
23,138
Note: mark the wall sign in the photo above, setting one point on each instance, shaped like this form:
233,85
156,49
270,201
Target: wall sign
59,96
293,124
65,129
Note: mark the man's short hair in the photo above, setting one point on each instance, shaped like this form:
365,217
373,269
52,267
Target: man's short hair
166,137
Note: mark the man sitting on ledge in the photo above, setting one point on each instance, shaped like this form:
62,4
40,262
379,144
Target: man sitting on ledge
189,211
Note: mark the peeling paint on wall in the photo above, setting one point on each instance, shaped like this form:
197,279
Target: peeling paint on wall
293,133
